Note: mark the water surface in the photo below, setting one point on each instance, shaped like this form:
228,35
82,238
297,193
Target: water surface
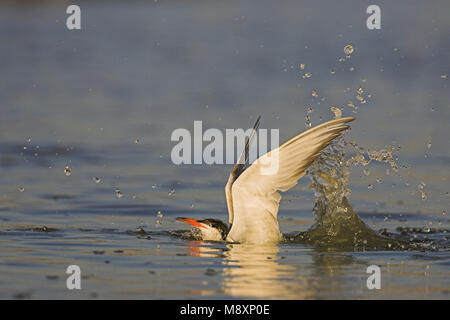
104,101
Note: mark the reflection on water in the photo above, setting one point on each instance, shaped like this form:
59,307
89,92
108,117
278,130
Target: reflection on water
329,270
270,272
254,271
262,272
257,271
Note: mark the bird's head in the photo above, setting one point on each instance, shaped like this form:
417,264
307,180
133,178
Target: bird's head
211,229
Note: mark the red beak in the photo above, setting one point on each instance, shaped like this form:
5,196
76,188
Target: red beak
193,222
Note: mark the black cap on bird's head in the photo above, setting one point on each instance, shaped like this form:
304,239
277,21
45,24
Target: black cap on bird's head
211,229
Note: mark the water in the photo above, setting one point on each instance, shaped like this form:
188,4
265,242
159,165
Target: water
103,103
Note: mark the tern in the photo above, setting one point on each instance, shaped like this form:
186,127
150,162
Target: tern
253,197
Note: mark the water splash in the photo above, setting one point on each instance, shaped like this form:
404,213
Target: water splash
337,224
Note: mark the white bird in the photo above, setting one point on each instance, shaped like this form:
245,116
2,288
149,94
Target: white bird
252,195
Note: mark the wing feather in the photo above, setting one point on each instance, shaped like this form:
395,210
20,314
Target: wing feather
255,196
237,169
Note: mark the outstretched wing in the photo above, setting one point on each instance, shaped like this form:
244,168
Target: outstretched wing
255,193
237,169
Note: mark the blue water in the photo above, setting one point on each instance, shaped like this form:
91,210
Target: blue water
142,69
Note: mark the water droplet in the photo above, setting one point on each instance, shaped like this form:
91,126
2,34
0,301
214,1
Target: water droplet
379,180
314,93
366,172
158,223
337,112
171,192
370,186
308,122
444,212
351,69
423,194
353,106
302,66
96,180
443,76
307,75
119,193
348,49
21,189
67,171
153,186
421,187
429,144
159,214
332,71
137,141
310,110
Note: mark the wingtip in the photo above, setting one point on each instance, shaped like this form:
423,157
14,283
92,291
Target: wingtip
337,122
340,121
349,119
